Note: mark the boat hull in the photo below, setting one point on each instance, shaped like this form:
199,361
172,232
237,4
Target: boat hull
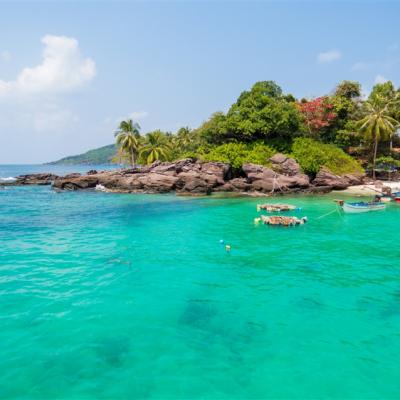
362,208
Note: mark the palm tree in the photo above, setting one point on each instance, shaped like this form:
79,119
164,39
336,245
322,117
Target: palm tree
155,147
184,138
377,125
128,139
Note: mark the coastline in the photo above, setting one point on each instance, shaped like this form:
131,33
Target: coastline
193,177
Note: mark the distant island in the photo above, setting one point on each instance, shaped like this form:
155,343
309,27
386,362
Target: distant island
101,155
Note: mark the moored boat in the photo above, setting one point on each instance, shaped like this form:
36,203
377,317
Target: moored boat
280,220
362,207
276,207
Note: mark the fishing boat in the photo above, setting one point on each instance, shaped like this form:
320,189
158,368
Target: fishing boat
362,207
278,220
276,207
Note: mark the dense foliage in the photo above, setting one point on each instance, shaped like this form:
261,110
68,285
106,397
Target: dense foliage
318,132
237,154
313,155
263,113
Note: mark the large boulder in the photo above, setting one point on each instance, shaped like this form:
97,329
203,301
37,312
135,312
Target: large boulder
196,185
75,183
219,170
355,179
266,180
285,165
159,183
326,178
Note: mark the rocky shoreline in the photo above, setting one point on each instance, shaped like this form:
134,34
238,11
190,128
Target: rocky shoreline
192,177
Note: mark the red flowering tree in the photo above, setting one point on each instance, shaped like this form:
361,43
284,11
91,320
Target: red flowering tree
317,114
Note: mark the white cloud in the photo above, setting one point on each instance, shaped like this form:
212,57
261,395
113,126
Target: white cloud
380,79
5,55
329,56
360,66
62,69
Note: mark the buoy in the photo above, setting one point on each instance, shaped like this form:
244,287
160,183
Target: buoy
221,241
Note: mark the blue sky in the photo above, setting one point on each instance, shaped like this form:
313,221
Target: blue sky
70,70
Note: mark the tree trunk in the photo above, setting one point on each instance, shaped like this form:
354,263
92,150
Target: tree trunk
375,153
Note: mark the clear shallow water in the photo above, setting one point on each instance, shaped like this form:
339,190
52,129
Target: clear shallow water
133,296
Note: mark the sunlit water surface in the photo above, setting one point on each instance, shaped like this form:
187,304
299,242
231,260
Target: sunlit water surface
134,296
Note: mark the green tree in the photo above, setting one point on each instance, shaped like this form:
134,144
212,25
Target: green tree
347,103
128,139
378,124
156,146
348,89
262,113
385,93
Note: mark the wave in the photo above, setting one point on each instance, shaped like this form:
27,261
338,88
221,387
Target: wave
9,179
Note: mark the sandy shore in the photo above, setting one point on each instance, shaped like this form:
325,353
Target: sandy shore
372,189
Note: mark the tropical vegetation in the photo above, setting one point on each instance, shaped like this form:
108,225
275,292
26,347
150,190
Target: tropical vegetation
341,130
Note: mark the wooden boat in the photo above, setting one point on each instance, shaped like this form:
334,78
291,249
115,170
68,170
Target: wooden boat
280,220
362,207
276,207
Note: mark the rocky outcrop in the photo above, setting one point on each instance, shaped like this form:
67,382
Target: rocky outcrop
266,180
32,179
185,176
189,176
326,178
285,165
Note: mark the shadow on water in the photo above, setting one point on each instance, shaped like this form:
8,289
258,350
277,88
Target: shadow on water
225,334
113,350
215,327
198,314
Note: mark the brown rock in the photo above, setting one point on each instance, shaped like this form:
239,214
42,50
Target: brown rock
159,183
31,179
327,178
285,165
75,183
266,180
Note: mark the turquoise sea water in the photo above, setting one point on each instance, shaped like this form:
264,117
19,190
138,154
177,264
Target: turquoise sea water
133,296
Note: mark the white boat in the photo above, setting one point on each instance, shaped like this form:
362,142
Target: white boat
362,207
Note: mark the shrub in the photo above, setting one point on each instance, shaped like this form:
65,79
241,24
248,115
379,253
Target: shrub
312,155
237,154
388,161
